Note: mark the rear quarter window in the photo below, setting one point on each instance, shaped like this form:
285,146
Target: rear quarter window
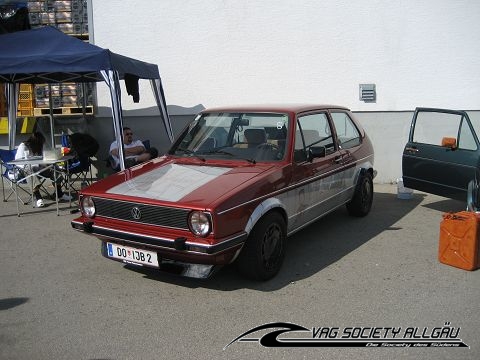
347,133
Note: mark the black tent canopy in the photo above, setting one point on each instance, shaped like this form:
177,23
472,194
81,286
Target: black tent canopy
46,55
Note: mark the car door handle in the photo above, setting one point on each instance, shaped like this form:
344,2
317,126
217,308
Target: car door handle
411,149
338,159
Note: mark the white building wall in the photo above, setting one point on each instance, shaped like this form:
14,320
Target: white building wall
220,52
223,52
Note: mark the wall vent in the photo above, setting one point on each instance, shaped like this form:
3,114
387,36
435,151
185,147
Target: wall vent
368,93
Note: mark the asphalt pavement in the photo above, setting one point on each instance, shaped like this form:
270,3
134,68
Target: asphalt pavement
344,280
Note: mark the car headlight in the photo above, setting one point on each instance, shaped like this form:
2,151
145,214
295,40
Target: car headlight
199,223
88,206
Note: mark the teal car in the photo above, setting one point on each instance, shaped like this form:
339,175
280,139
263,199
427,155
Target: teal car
442,155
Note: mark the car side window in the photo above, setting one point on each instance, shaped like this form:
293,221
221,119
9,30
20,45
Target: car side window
347,133
466,140
312,130
433,127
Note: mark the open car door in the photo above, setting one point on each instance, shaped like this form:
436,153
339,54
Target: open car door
442,153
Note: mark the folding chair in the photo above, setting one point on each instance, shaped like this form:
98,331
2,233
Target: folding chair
146,143
13,177
79,173
83,147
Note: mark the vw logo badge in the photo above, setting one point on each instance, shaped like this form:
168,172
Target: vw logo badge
136,213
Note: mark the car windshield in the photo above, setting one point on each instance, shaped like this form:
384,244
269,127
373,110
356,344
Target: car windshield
236,136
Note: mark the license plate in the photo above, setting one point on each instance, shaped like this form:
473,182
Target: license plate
132,255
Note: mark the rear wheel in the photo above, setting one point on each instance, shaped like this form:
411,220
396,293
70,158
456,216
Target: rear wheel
263,253
361,202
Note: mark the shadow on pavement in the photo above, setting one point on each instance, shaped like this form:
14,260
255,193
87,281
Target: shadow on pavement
447,205
9,303
311,249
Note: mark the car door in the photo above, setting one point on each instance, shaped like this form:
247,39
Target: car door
318,180
442,152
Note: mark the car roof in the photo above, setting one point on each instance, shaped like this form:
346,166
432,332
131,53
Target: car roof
281,108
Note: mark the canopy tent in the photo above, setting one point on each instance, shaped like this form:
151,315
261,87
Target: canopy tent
47,55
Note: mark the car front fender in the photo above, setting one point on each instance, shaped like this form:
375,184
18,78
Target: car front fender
262,208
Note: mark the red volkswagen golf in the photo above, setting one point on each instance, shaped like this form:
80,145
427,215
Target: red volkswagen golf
236,183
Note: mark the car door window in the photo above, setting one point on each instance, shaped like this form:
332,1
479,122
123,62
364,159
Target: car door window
466,140
312,130
432,127
347,133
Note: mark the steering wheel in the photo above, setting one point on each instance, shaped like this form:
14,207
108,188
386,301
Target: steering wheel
268,146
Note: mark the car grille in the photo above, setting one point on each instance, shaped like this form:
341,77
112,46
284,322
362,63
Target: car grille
150,214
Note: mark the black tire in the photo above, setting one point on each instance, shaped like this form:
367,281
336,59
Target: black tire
263,253
361,202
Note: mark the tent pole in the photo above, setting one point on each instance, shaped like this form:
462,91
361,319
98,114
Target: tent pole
50,105
12,104
84,100
113,82
156,85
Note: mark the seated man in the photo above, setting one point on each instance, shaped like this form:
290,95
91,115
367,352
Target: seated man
134,151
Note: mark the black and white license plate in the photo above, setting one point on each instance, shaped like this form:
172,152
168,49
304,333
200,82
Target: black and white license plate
132,255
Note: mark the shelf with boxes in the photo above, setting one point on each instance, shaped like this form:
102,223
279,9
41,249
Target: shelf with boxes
67,99
65,94
70,17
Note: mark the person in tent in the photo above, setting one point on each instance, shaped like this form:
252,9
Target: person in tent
134,151
33,146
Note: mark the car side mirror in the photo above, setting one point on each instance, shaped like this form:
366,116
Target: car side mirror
449,142
316,152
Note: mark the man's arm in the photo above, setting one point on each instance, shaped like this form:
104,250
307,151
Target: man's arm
137,149
128,151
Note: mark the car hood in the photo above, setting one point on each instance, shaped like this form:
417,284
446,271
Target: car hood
185,184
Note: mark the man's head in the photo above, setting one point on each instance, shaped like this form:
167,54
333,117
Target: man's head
127,135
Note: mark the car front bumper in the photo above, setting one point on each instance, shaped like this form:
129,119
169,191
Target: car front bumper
178,251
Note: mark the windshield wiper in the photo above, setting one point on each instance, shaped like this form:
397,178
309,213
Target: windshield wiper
224,152
219,151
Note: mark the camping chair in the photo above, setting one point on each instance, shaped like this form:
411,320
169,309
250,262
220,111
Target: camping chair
79,173
13,177
83,147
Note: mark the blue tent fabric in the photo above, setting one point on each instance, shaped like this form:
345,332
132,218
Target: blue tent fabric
48,55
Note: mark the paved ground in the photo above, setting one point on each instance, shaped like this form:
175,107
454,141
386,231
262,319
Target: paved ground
59,299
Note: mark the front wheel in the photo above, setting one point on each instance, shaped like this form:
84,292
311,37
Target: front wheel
263,253
361,202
